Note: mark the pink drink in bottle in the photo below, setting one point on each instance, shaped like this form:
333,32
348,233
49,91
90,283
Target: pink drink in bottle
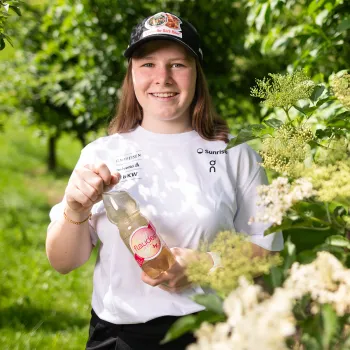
138,233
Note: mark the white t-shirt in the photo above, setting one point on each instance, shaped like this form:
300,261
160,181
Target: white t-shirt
190,189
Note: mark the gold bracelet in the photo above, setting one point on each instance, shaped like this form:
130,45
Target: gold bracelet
76,222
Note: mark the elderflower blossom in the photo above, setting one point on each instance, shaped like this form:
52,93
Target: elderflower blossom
325,279
244,298
261,320
283,90
341,87
332,181
287,150
268,324
337,150
236,260
212,337
277,198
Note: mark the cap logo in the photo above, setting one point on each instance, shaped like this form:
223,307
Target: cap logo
163,23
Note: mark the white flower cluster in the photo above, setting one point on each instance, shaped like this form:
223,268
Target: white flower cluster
326,280
255,318
278,197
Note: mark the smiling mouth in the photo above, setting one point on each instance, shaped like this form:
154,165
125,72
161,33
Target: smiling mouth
164,95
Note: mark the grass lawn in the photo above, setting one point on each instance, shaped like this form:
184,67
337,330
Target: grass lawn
39,308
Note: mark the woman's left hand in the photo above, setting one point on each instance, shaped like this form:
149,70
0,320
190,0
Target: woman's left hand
174,279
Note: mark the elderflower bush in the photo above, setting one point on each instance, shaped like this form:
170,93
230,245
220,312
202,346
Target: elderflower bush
256,319
302,302
310,162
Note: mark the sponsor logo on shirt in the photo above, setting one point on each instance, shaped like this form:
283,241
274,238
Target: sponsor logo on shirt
128,165
207,151
212,164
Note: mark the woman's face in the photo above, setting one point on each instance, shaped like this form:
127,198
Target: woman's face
164,80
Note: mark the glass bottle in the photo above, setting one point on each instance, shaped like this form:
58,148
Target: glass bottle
138,233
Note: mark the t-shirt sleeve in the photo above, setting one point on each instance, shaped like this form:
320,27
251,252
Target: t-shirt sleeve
56,212
250,175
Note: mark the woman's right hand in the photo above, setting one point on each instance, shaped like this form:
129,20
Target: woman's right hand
86,185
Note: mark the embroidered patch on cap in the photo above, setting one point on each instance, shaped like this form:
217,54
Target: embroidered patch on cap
163,23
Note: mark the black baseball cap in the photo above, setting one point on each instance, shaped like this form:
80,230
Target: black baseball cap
165,26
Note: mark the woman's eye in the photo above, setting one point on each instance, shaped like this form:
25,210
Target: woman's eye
148,65
177,65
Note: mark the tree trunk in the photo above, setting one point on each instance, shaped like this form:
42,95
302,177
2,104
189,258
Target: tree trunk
51,160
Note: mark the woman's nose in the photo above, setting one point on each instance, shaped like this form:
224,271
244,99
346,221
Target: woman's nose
163,76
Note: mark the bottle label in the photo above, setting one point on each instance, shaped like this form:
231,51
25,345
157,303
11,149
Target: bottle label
145,243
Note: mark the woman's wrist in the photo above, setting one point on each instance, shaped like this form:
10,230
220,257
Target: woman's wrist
75,217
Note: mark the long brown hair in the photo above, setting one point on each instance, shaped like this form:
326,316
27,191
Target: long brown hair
203,116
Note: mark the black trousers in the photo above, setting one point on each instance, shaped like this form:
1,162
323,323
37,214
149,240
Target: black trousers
104,335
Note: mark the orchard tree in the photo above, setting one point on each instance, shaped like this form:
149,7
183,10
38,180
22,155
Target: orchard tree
312,34
59,74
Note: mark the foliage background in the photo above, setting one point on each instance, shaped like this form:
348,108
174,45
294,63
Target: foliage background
59,83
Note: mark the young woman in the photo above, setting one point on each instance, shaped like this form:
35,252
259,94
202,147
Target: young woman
167,149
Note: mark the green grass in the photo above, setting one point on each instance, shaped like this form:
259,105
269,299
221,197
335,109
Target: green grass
39,308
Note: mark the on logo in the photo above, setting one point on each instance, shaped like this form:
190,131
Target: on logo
200,150
212,168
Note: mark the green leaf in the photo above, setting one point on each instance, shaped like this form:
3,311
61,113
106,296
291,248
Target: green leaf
314,5
301,307
341,120
318,91
268,15
289,254
342,116
330,325
211,301
338,241
2,43
181,326
250,133
339,214
306,110
243,136
321,101
286,224
8,39
306,256
322,133
339,211
274,123
256,127
321,18
16,9
328,132
275,277
253,13
260,19
310,342
344,25
291,223
190,323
